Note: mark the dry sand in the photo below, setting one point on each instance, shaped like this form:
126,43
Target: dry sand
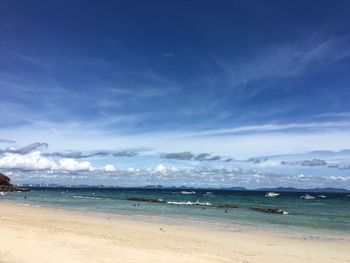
32,235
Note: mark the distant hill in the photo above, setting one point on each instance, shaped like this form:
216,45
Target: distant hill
313,190
277,189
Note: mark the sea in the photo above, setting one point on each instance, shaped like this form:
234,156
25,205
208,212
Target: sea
326,213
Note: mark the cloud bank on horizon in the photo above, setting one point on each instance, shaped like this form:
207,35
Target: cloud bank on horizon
41,167
177,89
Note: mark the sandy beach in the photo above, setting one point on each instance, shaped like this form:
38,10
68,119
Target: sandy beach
33,234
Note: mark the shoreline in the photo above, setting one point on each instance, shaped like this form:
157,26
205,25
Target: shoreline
296,232
62,235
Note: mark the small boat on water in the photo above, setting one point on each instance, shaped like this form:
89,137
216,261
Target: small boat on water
322,196
2,193
307,197
271,194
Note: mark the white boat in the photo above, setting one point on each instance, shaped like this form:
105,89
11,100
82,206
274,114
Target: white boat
271,194
307,197
322,196
2,193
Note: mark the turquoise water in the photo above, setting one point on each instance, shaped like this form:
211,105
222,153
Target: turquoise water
330,213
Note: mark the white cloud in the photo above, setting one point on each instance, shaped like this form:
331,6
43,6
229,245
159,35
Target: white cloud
69,164
174,169
31,161
160,169
200,176
35,161
109,168
132,170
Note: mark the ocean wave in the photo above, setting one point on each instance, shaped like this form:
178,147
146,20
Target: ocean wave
189,203
188,192
86,197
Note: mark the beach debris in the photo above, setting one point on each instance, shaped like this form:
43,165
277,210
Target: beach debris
6,186
269,210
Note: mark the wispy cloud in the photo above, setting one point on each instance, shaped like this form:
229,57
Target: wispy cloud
26,149
169,55
143,93
179,156
289,60
6,141
81,155
273,127
191,156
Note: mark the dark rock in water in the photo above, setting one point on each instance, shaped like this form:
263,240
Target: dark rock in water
269,210
6,186
149,200
226,206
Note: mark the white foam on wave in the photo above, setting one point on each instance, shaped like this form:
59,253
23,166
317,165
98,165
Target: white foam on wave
188,192
85,197
189,203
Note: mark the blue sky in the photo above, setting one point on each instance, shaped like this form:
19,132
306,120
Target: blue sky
235,79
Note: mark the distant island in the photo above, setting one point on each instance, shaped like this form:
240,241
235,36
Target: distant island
183,187
312,190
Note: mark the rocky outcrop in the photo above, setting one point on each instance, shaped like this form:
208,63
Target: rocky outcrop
4,179
269,210
6,186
